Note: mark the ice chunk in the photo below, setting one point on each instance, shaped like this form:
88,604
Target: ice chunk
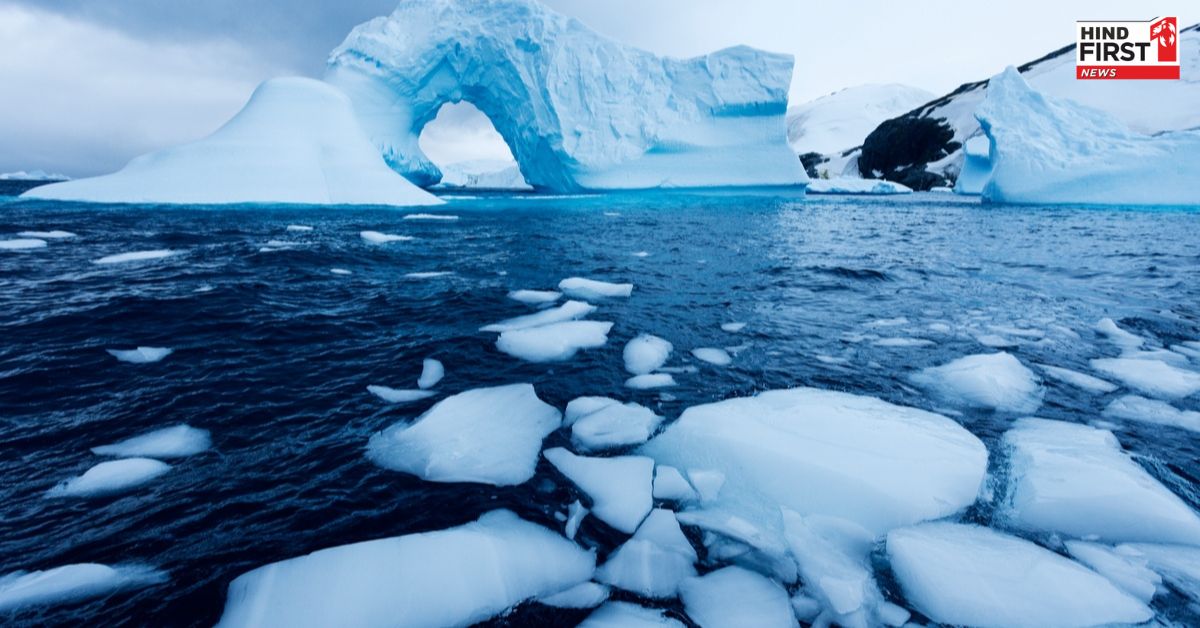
580,288
486,435
135,256
654,561
430,217
396,395
1126,569
824,452
855,185
1155,378
141,355
580,407
22,589
110,477
433,274
734,597
733,328
300,228
708,483
1118,336
620,487
645,353
555,342
1077,379
534,297
970,575
729,538
614,425
22,244
1074,480
1178,564
627,615
340,271
586,595
670,484
47,235
454,577
719,357
169,442
569,311
432,372
297,140
375,237
575,516
832,557
1145,410
997,381
652,380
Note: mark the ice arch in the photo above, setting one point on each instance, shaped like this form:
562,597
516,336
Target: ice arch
578,111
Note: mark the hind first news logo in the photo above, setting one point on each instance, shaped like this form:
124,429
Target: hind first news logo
1127,50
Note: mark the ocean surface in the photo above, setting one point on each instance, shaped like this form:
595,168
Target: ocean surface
273,352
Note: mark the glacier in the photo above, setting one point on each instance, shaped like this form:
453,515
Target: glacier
296,141
578,110
1049,150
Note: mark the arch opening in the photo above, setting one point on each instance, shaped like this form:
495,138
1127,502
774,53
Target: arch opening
464,144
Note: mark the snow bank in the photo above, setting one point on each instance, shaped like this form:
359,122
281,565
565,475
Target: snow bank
969,575
141,355
1155,378
47,235
135,256
396,395
22,589
534,297
169,442
996,381
295,141
614,425
654,561
736,598
22,244
110,477
1145,410
627,615
432,372
486,435
646,353
620,487
569,311
718,357
823,452
1075,480
454,577
555,342
580,288
1079,380
579,111
1050,150
851,185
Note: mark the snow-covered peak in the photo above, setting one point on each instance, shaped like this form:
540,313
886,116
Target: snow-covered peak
841,120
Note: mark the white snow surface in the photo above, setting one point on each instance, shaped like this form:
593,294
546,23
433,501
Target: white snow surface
969,575
432,372
114,476
734,597
135,256
583,288
297,140
645,353
554,342
842,120
1153,377
141,355
178,441
454,577
578,110
485,435
996,381
23,589
829,453
852,185
613,425
619,487
654,561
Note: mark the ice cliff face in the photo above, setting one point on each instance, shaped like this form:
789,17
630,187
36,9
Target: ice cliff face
1049,150
578,110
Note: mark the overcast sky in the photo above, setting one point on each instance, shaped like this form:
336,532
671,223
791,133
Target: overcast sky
89,84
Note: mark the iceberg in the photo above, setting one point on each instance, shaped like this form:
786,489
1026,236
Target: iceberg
734,597
454,577
645,353
840,121
620,487
578,111
1155,378
581,288
297,140
1074,480
654,561
106,478
432,372
569,311
23,589
485,435
996,381
141,355
614,425
396,395
483,174
823,452
169,442
627,615
554,342
1135,408
976,168
1049,150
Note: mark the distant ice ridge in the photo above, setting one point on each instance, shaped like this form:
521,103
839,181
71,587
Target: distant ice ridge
296,141
23,589
578,110
454,577
1050,150
484,174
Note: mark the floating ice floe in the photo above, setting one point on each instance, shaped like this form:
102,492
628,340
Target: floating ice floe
901,342
734,597
432,372
430,217
1079,380
589,289
24,589
1074,480
613,425
715,356
535,297
47,235
454,577
397,395
340,271
375,237
973,576
669,484
1155,378
650,380
300,228
22,244
569,311
1113,332
646,353
641,254
576,513
429,275
169,442
110,477
996,381
628,615
135,256
855,185
1135,408
731,539
1177,564
733,328
485,435
555,342
140,355
1125,568
620,487
586,595
824,452
654,561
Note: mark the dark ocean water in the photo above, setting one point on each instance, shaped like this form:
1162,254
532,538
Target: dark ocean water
273,352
